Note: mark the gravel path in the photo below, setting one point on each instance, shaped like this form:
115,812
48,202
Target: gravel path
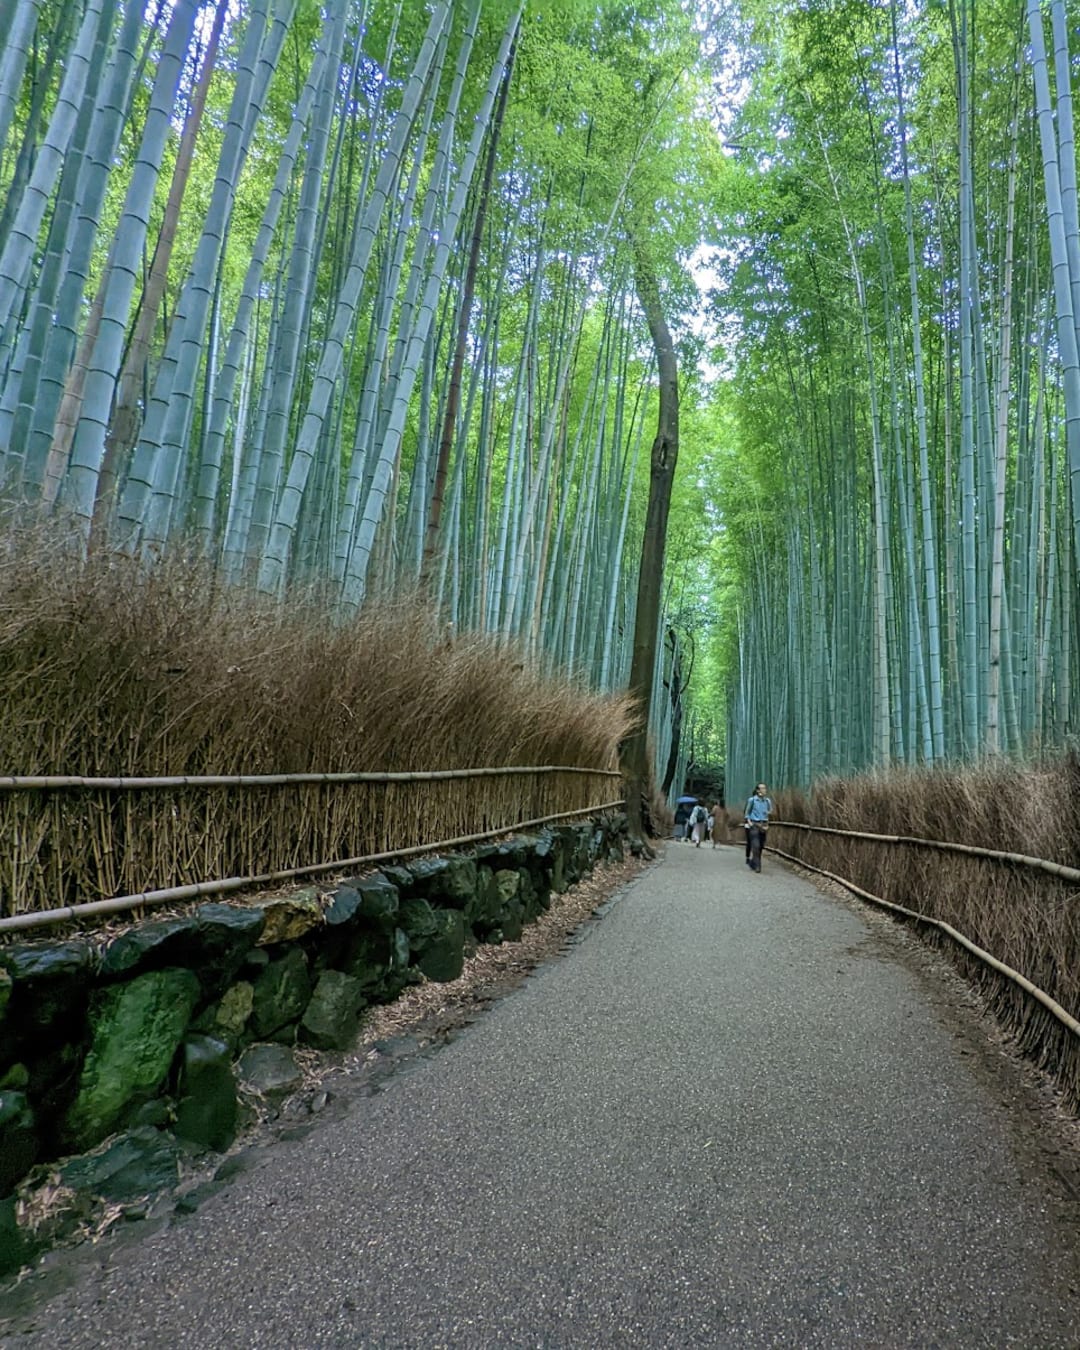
733,1115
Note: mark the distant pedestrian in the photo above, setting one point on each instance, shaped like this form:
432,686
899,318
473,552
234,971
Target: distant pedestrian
716,823
682,816
698,817
756,824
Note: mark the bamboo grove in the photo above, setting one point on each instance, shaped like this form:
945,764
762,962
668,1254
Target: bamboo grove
901,288
343,297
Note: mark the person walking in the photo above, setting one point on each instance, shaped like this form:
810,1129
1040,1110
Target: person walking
698,817
756,824
715,823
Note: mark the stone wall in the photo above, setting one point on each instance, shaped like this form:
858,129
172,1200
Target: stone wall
151,1033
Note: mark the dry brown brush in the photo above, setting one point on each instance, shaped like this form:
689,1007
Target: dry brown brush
111,667
1025,917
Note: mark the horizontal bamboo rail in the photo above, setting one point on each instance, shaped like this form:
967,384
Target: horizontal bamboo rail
944,845
58,782
125,903
1021,981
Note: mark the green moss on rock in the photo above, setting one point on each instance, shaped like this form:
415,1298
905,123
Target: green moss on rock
136,1029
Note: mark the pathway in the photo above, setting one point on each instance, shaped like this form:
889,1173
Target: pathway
731,1116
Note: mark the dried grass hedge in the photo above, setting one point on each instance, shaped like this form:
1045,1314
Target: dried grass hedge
1025,917
111,667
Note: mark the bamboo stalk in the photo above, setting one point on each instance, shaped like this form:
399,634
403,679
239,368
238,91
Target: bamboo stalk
49,917
29,783
945,846
1040,995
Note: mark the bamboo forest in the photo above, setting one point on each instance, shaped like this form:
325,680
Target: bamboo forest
370,298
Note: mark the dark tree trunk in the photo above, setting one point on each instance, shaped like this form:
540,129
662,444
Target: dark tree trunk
675,688
665,451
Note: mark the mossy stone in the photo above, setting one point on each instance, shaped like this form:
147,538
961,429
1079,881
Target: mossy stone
417,918
269,1070
15,1078
136,1030
18,1140
370,957
459,882
484,910
280,994
443,955
234,1009
330,1020
286,918
17,1247
150,946
206,1107
50,985
141,1162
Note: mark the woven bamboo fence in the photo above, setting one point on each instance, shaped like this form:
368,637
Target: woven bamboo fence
1023,911
66,841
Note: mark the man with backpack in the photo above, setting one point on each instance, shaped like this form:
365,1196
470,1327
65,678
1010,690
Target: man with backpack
698,817
756,824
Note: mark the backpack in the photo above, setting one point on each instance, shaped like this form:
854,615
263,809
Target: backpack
699,815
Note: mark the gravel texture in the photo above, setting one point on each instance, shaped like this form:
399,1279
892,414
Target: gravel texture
738,1113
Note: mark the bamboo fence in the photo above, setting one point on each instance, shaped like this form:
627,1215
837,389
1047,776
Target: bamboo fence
66,841
1011,920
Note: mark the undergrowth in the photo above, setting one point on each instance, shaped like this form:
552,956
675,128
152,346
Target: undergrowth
113,667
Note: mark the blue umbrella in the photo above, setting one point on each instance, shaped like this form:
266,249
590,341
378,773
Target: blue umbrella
681,800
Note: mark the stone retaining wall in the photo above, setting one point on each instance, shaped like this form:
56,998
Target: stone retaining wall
151,1033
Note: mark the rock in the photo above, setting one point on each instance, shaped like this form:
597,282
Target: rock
508,883
16,1078
206,1105
136,1030
398,877
330,1020
370,899
232,1013
256,959
287,918
141,1162
53,1073
154,1112
269,1070
559,881
527,894
6,986
370,957
49,992
150,946
459,881
41,962
227,938
17,1247
443,957
417,919
484,910
280,993
615,852
18,1141
513,923
379,900
428,875
399,949
344,906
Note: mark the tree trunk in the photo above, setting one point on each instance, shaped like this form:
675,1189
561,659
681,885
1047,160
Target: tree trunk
665,452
